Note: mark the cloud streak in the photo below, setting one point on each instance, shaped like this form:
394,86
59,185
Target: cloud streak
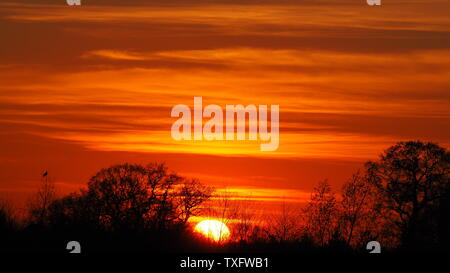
101,79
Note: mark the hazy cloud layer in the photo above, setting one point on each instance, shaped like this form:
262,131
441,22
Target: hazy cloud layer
101,79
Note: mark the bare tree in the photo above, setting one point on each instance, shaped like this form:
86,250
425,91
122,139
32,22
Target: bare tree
223,207
247,227
191,196
284,225
360,211
227,210
321,214
38,204
238,213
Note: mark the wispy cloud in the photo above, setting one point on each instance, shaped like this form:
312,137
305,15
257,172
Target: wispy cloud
116,55
350,80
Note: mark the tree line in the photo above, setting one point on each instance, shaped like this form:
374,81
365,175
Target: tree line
402,200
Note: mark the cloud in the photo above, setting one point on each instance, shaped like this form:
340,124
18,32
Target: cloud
331,102
99,81
116,55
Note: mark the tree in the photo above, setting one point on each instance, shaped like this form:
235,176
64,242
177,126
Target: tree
191,195
39,203
412,178
133,197
247,227
73,212
361,214
283,226
354,194
224,208
321,214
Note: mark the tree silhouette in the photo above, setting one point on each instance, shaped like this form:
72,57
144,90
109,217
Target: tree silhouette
283,226
130,197
134,197
321,214
354,198
361,216
191,195
73,212
38,204
247,227
401,200
412,178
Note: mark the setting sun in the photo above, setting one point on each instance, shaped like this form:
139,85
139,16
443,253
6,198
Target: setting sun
213,230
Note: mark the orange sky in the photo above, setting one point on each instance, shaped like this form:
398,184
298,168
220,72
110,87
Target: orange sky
85,87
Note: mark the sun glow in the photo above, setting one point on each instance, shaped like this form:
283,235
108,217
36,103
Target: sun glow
213,230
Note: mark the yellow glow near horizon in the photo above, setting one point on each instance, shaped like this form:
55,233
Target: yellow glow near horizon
213,230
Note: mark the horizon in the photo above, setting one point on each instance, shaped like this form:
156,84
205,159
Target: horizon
260,100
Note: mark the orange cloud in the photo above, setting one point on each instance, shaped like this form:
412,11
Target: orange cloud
99,82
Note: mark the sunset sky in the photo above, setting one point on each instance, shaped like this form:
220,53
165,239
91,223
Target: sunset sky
82,88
